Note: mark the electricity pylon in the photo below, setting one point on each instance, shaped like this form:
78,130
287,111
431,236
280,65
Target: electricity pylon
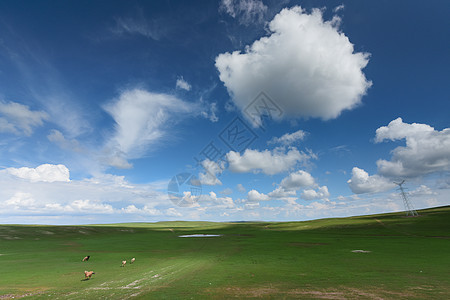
409,209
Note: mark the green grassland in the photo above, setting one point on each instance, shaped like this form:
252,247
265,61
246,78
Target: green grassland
409,258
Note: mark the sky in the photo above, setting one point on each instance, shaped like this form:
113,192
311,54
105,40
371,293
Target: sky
230,110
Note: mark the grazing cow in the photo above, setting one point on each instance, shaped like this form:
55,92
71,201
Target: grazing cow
86,258
88,275
124,262
132,260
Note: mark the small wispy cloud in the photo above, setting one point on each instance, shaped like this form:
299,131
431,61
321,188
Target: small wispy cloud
58,138
138,24
183,84
210,112
142,119
245,11
289,138
241,188
338,8
20,119
42,82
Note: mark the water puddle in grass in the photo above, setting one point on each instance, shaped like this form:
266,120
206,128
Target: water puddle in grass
360,251
199,235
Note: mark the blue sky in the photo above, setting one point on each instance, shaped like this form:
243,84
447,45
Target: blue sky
276,110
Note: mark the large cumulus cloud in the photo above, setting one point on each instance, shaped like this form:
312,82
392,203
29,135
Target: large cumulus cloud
307,66
45,173
361,182
427,150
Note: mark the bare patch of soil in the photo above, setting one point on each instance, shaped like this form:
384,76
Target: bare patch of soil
337,293
270,292
16,296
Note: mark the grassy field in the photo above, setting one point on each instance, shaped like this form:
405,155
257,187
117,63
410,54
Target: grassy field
409,258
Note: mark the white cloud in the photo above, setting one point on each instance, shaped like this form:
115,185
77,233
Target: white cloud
340,150
287,190
321,193
361,182
142,119
397,130
110,180
297,180
229,106
172,212
108,199
245,11
227,191
255,196
188,199
117,159
422,190
241,188
212,171
210,112
217,202
91,207
5,126
105,195
44,84
19,119
151,211
281,193
307,66
137,24
444,183
427,150
289,138
21,200
45,172
57,137
251,205
183,84
268,162
25,202
338,8
317,206
131,209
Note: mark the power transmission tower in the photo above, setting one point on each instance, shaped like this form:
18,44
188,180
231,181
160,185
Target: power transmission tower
409,209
